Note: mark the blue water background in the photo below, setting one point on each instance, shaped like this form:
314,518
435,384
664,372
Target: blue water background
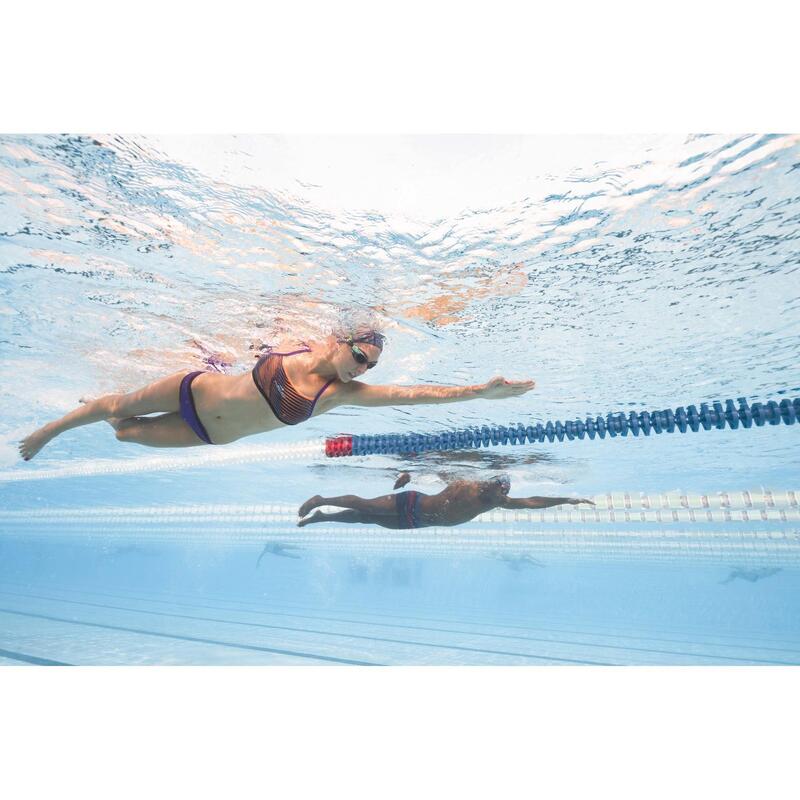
666,277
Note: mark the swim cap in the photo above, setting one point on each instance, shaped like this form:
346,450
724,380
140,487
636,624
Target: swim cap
504,481
369,337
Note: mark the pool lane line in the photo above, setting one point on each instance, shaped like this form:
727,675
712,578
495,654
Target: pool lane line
794,649
35,660
739,645
383,640
236,645
562,642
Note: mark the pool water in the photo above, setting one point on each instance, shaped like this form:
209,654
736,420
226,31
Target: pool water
621,273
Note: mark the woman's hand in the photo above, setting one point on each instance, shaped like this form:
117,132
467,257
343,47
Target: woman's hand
498,388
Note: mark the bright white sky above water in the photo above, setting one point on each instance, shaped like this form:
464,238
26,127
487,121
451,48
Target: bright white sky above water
416,177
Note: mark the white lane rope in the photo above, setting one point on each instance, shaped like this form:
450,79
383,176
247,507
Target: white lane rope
762,505
200,457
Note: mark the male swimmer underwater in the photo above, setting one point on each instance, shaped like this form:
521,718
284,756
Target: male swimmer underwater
459,502
287,386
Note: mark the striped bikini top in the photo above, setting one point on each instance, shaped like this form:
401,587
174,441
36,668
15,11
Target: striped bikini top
271,380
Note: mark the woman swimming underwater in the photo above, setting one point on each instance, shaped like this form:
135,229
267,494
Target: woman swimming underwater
287,386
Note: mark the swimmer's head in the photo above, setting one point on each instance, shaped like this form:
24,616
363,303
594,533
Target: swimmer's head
358,350
500,484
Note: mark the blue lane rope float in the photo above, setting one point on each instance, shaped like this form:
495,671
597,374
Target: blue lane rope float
716,415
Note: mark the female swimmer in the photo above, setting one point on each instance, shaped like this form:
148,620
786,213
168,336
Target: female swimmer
287,386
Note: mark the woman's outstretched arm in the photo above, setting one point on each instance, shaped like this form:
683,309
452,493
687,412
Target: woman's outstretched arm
356,393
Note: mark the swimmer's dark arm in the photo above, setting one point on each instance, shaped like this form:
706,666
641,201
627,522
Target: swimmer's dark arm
542,502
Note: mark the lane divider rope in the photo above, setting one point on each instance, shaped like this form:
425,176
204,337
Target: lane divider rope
762,505
208,457
718,415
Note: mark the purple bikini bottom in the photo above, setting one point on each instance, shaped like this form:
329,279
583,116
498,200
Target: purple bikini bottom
188,410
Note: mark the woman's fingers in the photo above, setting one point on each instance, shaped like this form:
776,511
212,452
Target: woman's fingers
526,384
502,387
520,387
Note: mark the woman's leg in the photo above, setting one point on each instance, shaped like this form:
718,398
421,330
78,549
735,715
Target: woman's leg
386,504
164,430
162,395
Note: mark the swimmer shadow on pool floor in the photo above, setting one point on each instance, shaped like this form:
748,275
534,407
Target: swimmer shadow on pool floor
279,549
517,562
751,575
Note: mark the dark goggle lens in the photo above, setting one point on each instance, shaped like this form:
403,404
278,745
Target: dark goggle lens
361,357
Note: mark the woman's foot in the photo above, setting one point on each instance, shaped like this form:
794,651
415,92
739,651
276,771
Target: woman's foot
312,502
32,444
315,517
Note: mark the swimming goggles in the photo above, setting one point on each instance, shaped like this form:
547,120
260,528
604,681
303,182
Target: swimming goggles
361,357
504,482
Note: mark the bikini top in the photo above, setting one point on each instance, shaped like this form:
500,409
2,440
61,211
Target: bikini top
287,404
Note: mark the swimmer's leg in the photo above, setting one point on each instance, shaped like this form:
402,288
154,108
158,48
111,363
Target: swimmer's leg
162,395
338,516
386,504
164,430
361,517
